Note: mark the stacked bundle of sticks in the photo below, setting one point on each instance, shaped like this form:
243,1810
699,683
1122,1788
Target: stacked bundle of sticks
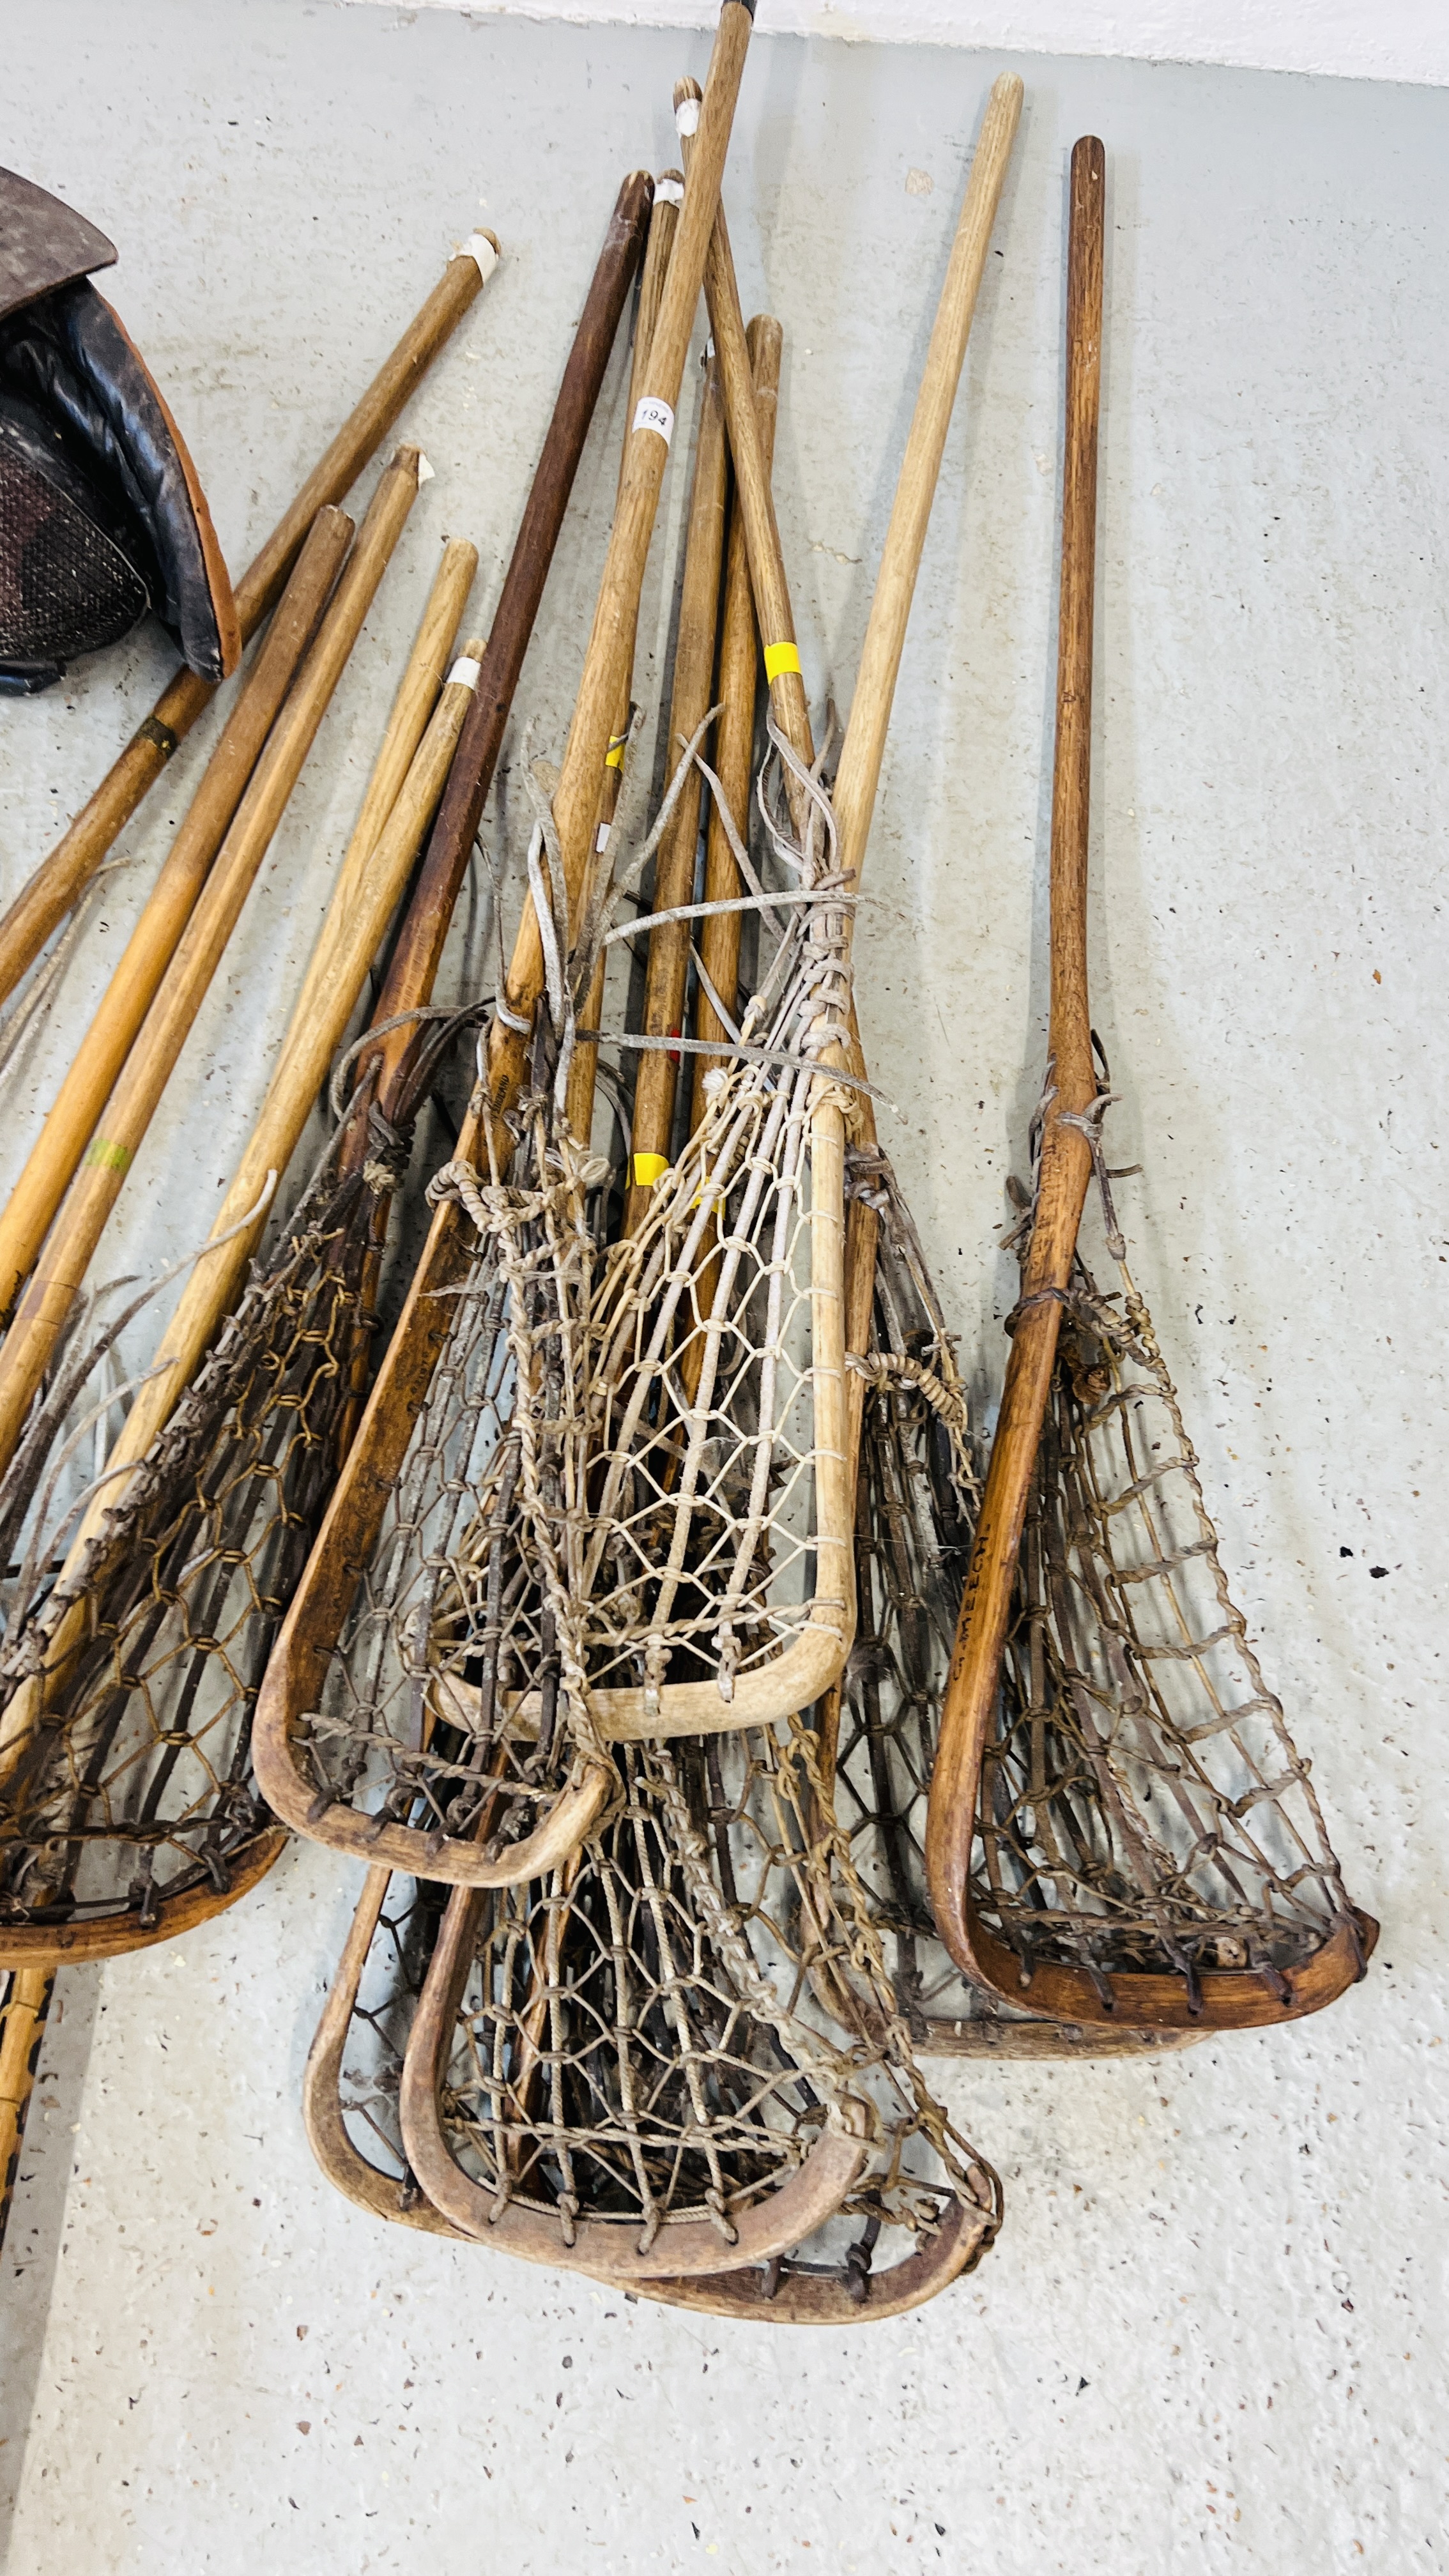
609,1615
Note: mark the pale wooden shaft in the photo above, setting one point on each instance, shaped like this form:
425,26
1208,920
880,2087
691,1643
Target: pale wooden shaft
61,877
857,775
418,693
356,923
611,638
77,1230
102,1051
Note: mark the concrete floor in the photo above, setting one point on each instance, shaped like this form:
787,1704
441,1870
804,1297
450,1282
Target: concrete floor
211,2363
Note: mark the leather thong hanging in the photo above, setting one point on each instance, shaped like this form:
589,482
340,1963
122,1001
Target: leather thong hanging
101,513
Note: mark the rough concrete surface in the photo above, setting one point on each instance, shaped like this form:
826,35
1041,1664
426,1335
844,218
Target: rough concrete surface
1212,2332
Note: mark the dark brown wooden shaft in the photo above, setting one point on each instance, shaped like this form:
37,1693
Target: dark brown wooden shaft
409,980
62,878
667,973
663,224
734,741
1066,1162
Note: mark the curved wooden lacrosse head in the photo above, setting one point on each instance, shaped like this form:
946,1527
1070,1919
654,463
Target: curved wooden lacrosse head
594,1497
116,1936
625,2070
306,1656
384,2188
127,1808
917,1499
1149,1846
375,2174
709,2149
790,2292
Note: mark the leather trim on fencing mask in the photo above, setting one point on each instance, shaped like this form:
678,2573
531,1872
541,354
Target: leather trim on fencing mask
101,511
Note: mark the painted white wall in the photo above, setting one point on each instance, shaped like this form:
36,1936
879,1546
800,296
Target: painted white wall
1398,40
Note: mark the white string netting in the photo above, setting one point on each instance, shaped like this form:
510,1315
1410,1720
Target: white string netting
127,1778
611,1484
1143,1807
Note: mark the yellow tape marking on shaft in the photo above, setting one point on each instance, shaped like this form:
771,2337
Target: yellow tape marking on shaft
780,658
649,1168
103,1156
614,756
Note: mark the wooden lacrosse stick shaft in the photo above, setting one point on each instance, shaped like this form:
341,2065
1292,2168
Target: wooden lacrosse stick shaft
1065,1167
356,924
734,743
754,491
93,1193
97,1067
663,225
669,942
22,2034
719,934
611,640
857,776
61,878
410,974
413,708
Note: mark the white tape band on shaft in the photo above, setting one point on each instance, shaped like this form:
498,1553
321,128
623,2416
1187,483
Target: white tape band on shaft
466,670
479,247
656,415
686,116
669,192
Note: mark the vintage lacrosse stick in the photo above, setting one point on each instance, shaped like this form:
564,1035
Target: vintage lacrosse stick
133,1622
60,880
351,2093
185,1585
56,1284
1152,1851
623,2068
378,1730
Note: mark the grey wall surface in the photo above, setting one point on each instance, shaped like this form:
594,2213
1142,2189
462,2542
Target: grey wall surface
1212,2332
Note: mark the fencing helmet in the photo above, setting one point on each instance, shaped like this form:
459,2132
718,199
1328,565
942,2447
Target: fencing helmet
101,513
